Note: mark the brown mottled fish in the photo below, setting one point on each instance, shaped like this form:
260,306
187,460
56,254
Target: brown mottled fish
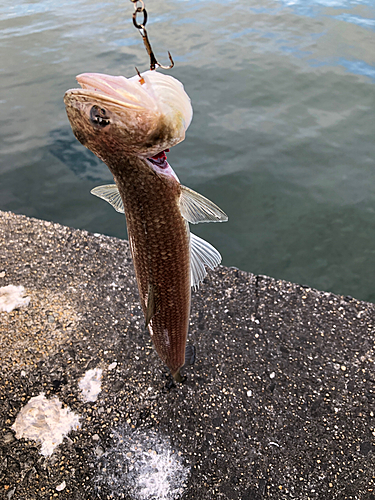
129,123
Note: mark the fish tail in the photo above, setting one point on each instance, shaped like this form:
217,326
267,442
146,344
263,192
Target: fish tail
189,361
177,376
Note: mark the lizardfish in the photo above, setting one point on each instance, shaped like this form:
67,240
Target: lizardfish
129,124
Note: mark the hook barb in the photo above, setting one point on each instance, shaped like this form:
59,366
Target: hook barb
172,62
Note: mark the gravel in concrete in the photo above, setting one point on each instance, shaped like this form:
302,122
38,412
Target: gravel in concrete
280,403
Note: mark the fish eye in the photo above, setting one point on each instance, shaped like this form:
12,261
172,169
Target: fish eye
99,116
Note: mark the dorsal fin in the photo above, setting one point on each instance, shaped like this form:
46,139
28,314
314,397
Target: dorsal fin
202,254
196,208
110,193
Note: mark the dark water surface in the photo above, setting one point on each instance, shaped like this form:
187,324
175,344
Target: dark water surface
283,134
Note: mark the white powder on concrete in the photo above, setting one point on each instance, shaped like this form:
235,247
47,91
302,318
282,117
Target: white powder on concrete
155,474
91,384
11,297
45,421
144,466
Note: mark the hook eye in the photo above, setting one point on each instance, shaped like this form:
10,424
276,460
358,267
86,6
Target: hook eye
140,26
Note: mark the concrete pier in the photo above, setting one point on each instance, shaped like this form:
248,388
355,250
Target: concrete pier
280,403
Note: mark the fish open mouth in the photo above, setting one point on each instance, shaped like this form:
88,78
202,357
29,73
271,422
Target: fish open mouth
160,165
160,159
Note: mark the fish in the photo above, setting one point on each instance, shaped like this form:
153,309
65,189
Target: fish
130,124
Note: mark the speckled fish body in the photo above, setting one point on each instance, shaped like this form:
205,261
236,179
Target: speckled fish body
160,244
128,123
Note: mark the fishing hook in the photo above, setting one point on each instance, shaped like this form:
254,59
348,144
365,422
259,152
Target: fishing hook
153,62
141,27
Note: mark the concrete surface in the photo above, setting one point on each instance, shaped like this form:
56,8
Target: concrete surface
279,405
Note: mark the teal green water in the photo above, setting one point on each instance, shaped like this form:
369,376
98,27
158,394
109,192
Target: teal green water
283,134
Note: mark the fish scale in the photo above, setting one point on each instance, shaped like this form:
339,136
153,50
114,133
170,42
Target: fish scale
159,239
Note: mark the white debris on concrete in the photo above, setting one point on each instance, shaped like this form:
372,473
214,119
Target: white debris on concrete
144,465
61,486
11,297
112,366
91,384
45,421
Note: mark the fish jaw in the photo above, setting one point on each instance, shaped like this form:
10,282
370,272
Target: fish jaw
160,165
138,119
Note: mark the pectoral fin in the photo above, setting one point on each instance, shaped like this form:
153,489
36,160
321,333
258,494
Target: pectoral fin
110,193
202,254
196,208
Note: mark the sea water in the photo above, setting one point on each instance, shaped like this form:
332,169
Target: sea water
282,139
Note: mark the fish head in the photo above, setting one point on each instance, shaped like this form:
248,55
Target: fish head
138,116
